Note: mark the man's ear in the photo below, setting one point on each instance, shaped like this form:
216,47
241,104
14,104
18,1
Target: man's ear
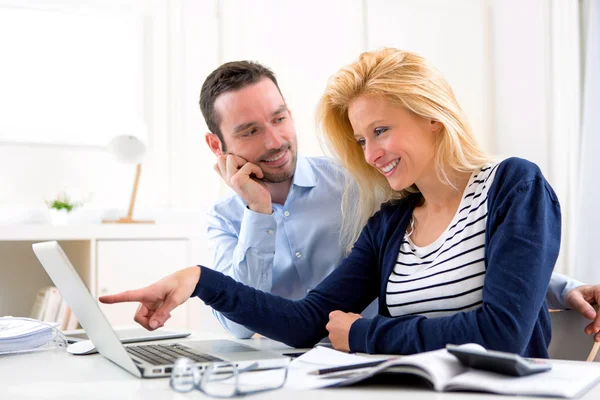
214,144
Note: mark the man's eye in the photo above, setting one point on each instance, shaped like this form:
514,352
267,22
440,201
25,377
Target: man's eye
250,132
280,119
380,130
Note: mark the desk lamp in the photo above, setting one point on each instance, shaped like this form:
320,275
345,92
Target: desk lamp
129,149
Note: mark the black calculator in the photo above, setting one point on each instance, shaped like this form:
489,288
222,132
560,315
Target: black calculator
498,361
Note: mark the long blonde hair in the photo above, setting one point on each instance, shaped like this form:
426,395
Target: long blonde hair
406,79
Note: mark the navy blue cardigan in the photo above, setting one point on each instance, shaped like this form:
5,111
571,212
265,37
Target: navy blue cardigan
522,240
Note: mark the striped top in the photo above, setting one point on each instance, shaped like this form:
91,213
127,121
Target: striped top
446,276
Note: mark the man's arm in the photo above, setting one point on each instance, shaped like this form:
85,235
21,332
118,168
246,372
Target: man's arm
247,259
568,293
560,285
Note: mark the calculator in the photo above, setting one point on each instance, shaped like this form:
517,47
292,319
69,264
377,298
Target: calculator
498,361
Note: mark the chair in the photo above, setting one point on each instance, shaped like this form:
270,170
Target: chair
569,342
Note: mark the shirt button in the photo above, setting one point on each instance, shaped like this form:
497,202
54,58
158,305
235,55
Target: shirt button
307,291
286,213
270,232
298,254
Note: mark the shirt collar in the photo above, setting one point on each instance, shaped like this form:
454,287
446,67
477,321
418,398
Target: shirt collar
304,175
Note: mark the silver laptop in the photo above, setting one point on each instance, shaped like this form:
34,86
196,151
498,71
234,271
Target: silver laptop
144,361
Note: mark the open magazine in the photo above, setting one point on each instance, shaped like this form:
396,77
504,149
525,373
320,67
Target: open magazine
444,372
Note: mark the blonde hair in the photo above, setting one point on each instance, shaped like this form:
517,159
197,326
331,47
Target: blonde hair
405,79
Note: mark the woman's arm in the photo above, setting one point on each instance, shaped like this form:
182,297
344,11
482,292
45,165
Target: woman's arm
351,287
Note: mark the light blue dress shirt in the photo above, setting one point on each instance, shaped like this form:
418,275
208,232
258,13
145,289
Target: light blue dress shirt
291,251
560,285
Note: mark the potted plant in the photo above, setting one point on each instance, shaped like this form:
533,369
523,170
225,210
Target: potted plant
60,208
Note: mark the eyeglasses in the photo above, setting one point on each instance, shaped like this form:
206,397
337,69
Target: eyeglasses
225,379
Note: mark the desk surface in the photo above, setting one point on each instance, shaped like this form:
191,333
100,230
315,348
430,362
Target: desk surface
59,375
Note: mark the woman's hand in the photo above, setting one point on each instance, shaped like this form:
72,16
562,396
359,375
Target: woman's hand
159,299
339,329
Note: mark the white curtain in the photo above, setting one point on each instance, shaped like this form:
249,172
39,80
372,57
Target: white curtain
564,118
586,260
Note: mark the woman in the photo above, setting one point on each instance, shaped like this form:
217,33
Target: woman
461,250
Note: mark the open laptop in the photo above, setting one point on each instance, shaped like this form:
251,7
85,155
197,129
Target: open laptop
144,361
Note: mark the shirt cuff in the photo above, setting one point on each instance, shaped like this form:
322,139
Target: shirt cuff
558,288
357,339
258,230
570,284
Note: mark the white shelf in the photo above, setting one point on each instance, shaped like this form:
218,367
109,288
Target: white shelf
32,232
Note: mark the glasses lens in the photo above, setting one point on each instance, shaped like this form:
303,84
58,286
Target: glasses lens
220,380
184,375
262,381
226,380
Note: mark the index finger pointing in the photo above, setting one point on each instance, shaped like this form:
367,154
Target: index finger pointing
138,295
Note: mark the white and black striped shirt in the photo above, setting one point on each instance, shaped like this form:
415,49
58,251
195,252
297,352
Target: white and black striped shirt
446,276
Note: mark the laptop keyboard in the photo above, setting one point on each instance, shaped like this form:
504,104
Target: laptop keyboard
161,354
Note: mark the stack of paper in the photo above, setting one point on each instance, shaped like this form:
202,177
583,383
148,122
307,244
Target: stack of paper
19,334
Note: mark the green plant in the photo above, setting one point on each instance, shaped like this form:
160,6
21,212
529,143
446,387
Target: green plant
62,202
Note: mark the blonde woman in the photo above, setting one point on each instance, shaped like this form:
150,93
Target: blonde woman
460,248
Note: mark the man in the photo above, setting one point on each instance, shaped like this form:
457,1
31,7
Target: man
279,231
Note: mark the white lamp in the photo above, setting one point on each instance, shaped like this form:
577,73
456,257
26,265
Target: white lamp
129,149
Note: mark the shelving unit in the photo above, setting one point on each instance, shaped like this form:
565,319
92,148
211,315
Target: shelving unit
109,258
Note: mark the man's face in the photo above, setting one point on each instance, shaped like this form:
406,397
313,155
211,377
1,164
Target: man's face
257,126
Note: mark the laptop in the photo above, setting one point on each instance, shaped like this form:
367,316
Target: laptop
148,360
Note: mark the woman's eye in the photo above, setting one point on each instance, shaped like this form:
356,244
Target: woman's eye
380,130
361,142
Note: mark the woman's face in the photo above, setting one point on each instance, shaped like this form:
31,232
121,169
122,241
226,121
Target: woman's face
400,144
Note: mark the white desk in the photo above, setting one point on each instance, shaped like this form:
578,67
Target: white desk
59,375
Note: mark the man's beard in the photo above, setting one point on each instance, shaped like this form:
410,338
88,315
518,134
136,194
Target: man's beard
281,176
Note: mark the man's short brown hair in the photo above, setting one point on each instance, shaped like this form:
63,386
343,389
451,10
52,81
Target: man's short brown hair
233,75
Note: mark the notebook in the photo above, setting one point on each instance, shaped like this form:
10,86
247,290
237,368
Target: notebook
441,371
143,361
